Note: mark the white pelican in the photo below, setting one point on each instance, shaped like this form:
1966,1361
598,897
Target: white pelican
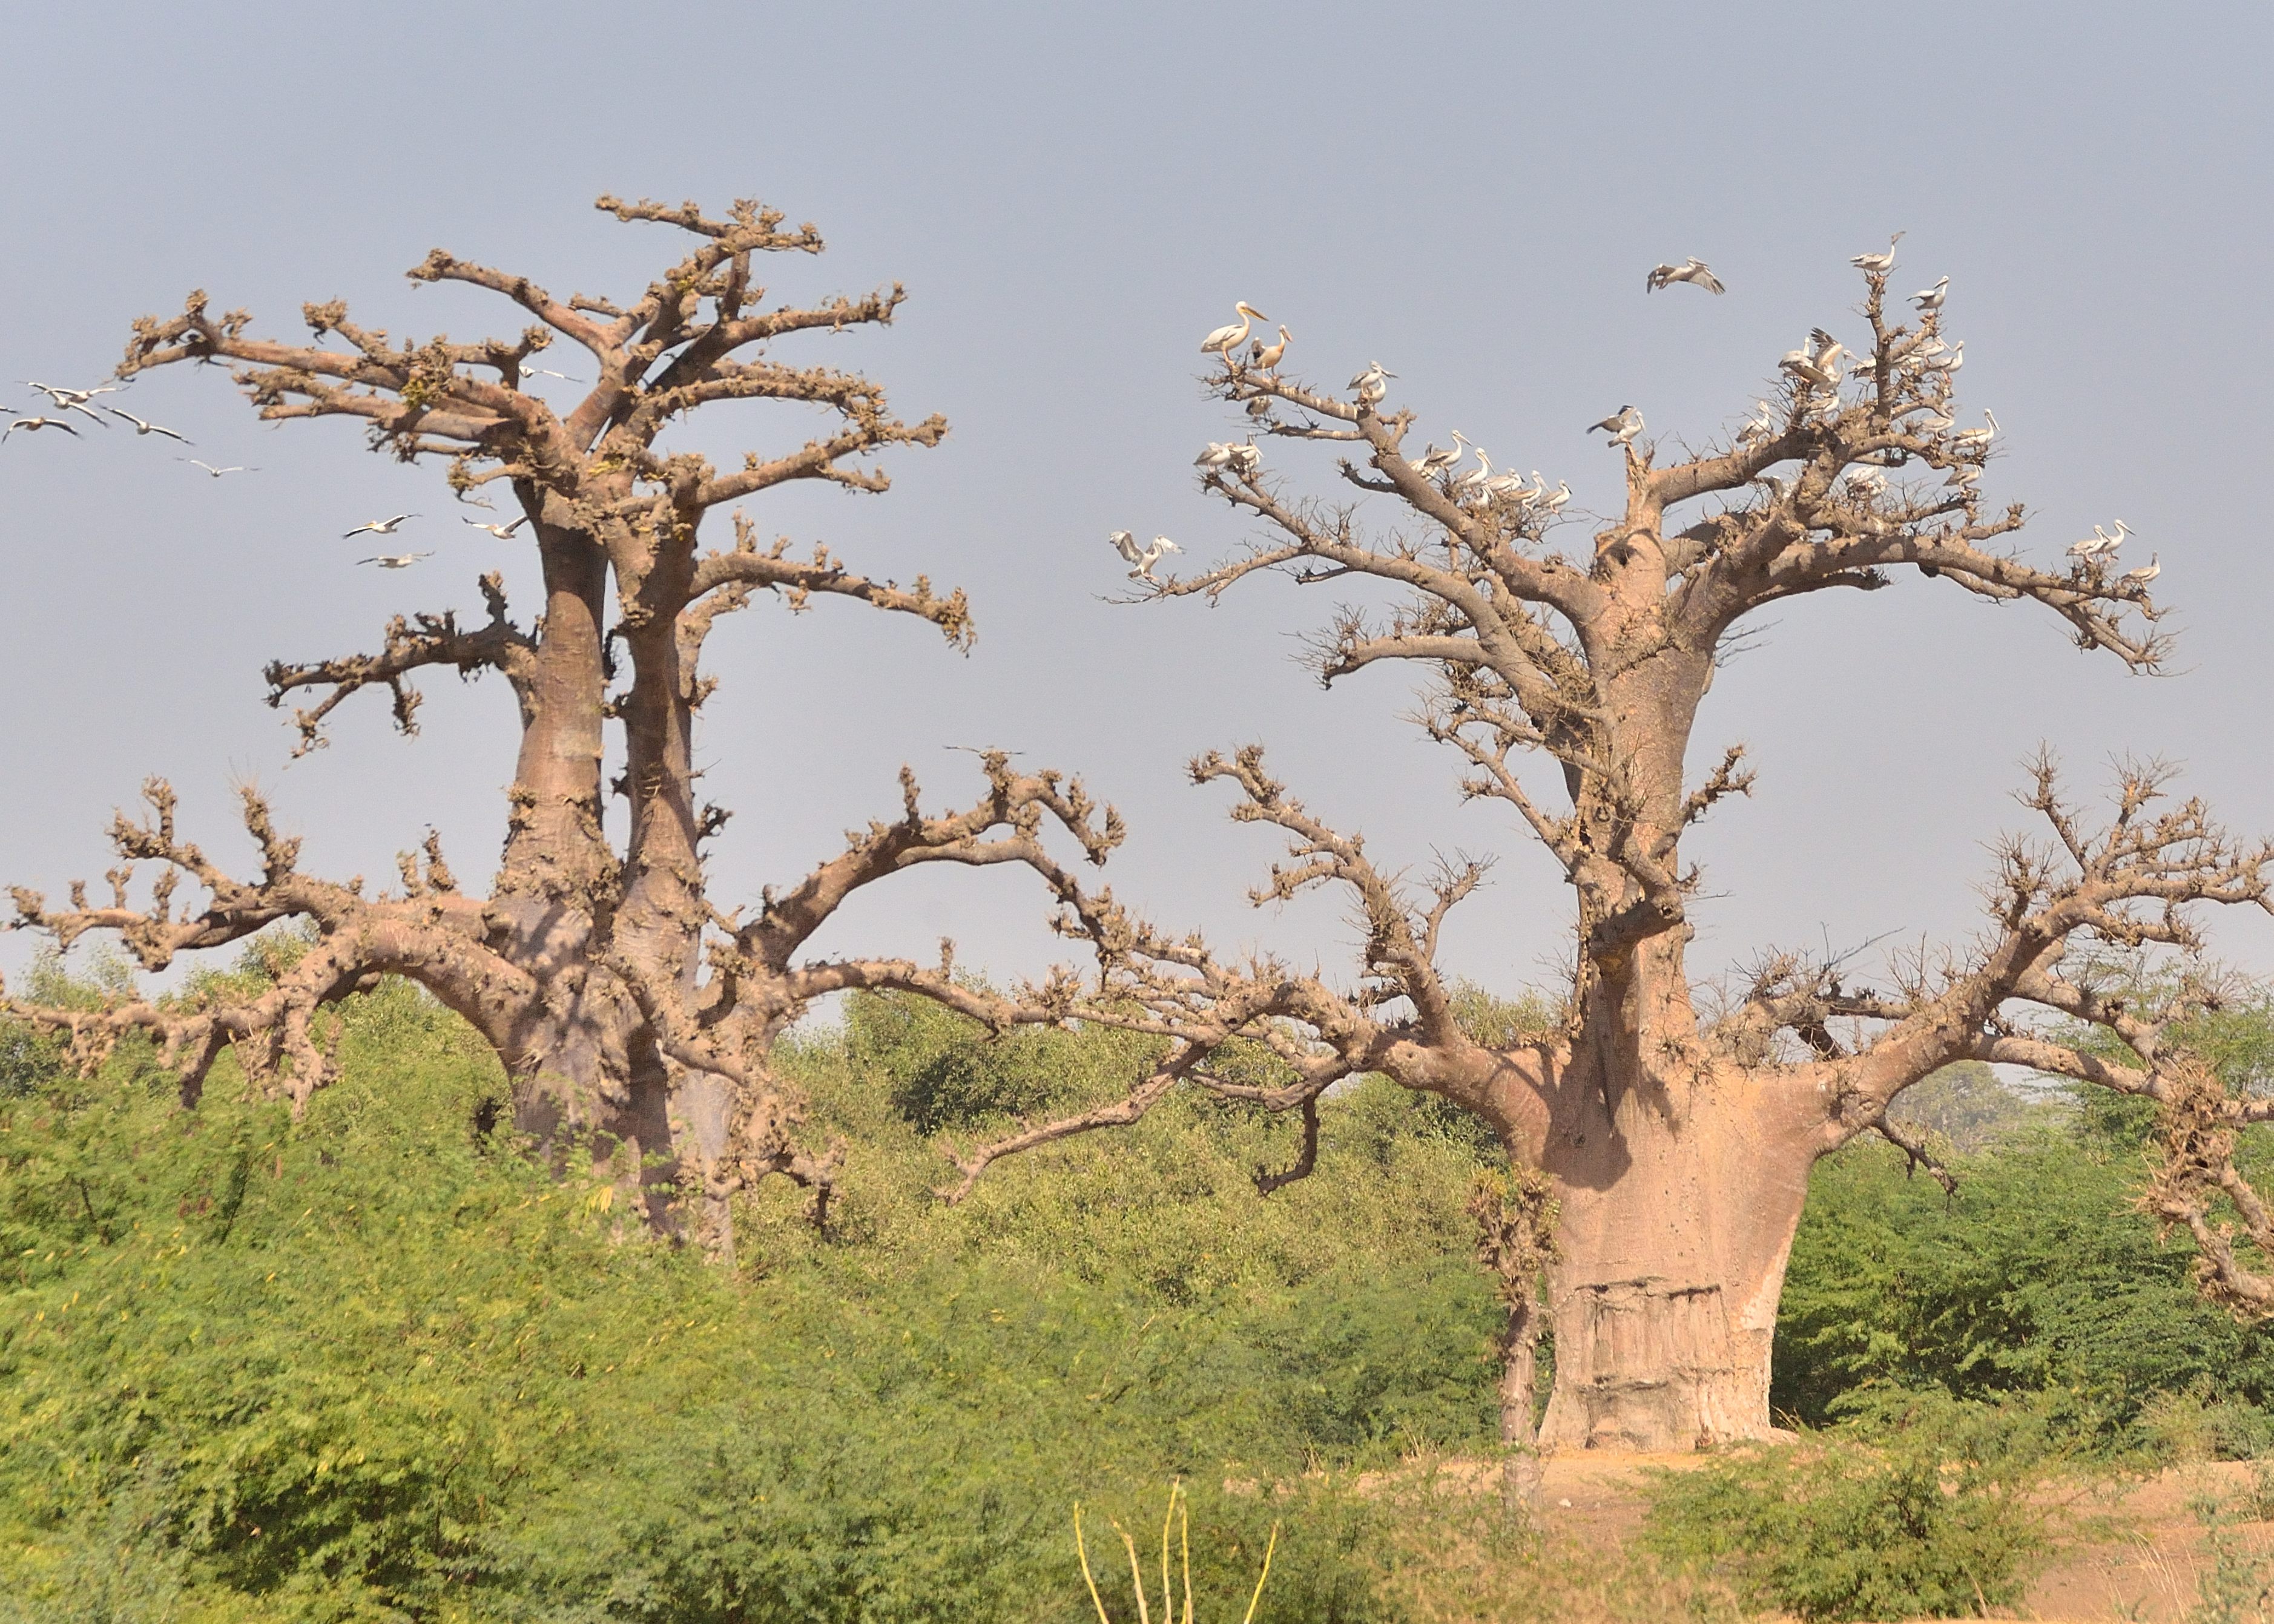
1436,460
1246,459
1141,563
1266,356
1224,340
65,399
1866,481
1928,300
380,527
395,560
141,427
37,424
503,532
1621,425
2146,573
217,472
1878,264
1552,503
1966,476
1260,407
1217,455
1369,384
1950,360
1695,271
1474,480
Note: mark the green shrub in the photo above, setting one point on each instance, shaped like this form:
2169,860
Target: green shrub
1924,1505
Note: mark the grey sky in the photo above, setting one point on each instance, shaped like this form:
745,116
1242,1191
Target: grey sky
1073,196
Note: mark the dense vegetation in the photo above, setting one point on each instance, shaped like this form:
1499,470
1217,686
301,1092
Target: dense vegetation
376,1366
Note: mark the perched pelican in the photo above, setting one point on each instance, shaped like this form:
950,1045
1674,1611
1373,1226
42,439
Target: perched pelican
1621,425
1474,480
1224,340
1695,271
395,560
1260,407
217,472
1967,475
37,424
1928,300
1369,384
2146,573
1435,460
381,527
503,532
1950,360
1266,356
1803,364
1552,503
1246,459
141,427
1878,264
1218,455
1141,563
1867,481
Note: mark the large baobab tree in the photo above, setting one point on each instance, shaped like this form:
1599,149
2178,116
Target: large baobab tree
631,1012
1675,1124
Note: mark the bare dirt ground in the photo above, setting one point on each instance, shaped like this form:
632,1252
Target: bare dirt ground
2146,1571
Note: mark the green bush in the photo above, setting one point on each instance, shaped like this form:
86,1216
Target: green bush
1925,1506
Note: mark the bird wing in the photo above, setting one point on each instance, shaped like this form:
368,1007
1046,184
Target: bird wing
1706,279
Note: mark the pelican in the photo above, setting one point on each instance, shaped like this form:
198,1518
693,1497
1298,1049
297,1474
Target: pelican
1224,340
2146,573
503,532
1260,407
1141,563
1218,455
1621,425
1950,360
141,427
395,560
37,424
547,372
382,527
1803,364
1246,459
1507,487
1978,436
1966,476
1474,480
217,472
1267,355
1695,271
1369,384
1928,300
1436,460
65,399
1867,481
1878,264
1554,503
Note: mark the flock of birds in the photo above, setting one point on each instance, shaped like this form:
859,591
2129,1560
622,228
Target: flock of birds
1817,369
64,400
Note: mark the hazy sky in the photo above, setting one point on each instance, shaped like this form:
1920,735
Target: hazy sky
1073,196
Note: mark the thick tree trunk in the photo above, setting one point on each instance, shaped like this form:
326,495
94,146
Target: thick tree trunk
1672,1236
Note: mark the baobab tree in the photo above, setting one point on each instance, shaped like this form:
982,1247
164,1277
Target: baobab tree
1675,1129
631,1012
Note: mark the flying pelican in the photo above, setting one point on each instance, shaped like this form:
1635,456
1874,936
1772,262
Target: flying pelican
1267,355
1224,340
503,532
1696,272
1369,383
1141,563
1928,300
141,427
381,527
65,399
37,424
2146,573
215,472
1878,264
395,560
1621,425
1435,460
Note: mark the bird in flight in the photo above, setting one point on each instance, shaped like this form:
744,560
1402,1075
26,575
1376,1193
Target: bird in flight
216,472
141,427
36,424
1878,264
71,399
503,532
1143,562
395,560
1621,425
1227,339
1695,271
381,527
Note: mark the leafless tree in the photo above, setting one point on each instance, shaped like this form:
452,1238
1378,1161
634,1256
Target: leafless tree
1676,1134
631,1012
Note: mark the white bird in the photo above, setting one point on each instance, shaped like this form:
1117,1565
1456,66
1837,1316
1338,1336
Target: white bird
37,424
1218,455
1246,459
1563,493
1141,563
1436,460
1929,299
395,560
1473,481
1369,384
1762,426
2146,573
1224,340
1266,356
1621,425
382,527
141,427
1978,436
1804,365
2099,542
1966,476
1950,360
1878,264
503,532
1695,271
216,472
65,399
1867,481
547,372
